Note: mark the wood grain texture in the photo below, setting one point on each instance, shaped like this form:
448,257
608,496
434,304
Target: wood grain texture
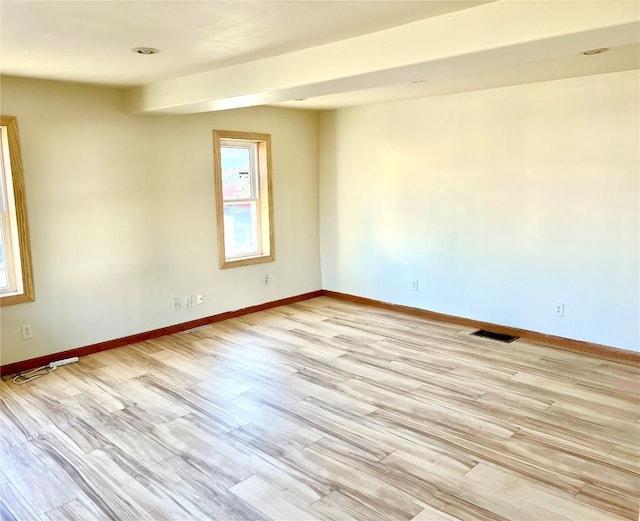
569,344
324,410
24,242
31,363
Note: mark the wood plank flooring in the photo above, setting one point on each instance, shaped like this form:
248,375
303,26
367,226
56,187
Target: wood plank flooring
324,410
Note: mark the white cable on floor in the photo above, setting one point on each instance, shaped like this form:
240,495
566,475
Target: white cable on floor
27,376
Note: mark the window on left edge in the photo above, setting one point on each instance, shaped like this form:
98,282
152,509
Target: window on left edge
16,274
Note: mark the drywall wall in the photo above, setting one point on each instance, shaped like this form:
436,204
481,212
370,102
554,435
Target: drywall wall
122,215
501,203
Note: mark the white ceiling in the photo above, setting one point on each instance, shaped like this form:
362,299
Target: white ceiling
311,54
90,41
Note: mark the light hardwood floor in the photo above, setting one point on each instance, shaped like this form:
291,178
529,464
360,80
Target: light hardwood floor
324,410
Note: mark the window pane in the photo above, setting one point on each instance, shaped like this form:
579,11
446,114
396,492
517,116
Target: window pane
236,173
241,229
243,197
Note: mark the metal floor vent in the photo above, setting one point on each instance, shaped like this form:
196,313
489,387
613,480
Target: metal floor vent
495,336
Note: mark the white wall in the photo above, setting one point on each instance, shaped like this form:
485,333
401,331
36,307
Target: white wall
501,203
122,215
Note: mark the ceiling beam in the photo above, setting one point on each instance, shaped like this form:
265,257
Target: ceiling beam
494,35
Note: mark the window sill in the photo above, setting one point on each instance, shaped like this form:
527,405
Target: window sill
246,261
16,298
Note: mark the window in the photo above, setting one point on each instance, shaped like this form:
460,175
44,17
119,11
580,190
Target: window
242,167
16,278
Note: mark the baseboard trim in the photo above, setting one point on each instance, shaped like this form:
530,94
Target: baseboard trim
25,365
567,344
557,342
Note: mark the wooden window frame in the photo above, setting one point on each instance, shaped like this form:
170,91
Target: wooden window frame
265,199
26,293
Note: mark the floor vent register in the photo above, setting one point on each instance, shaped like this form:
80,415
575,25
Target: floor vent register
495,336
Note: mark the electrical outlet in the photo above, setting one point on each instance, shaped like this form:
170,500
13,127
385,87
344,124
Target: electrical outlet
265,280
175,303
27,332
188,301
414,285
199,298
558,310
